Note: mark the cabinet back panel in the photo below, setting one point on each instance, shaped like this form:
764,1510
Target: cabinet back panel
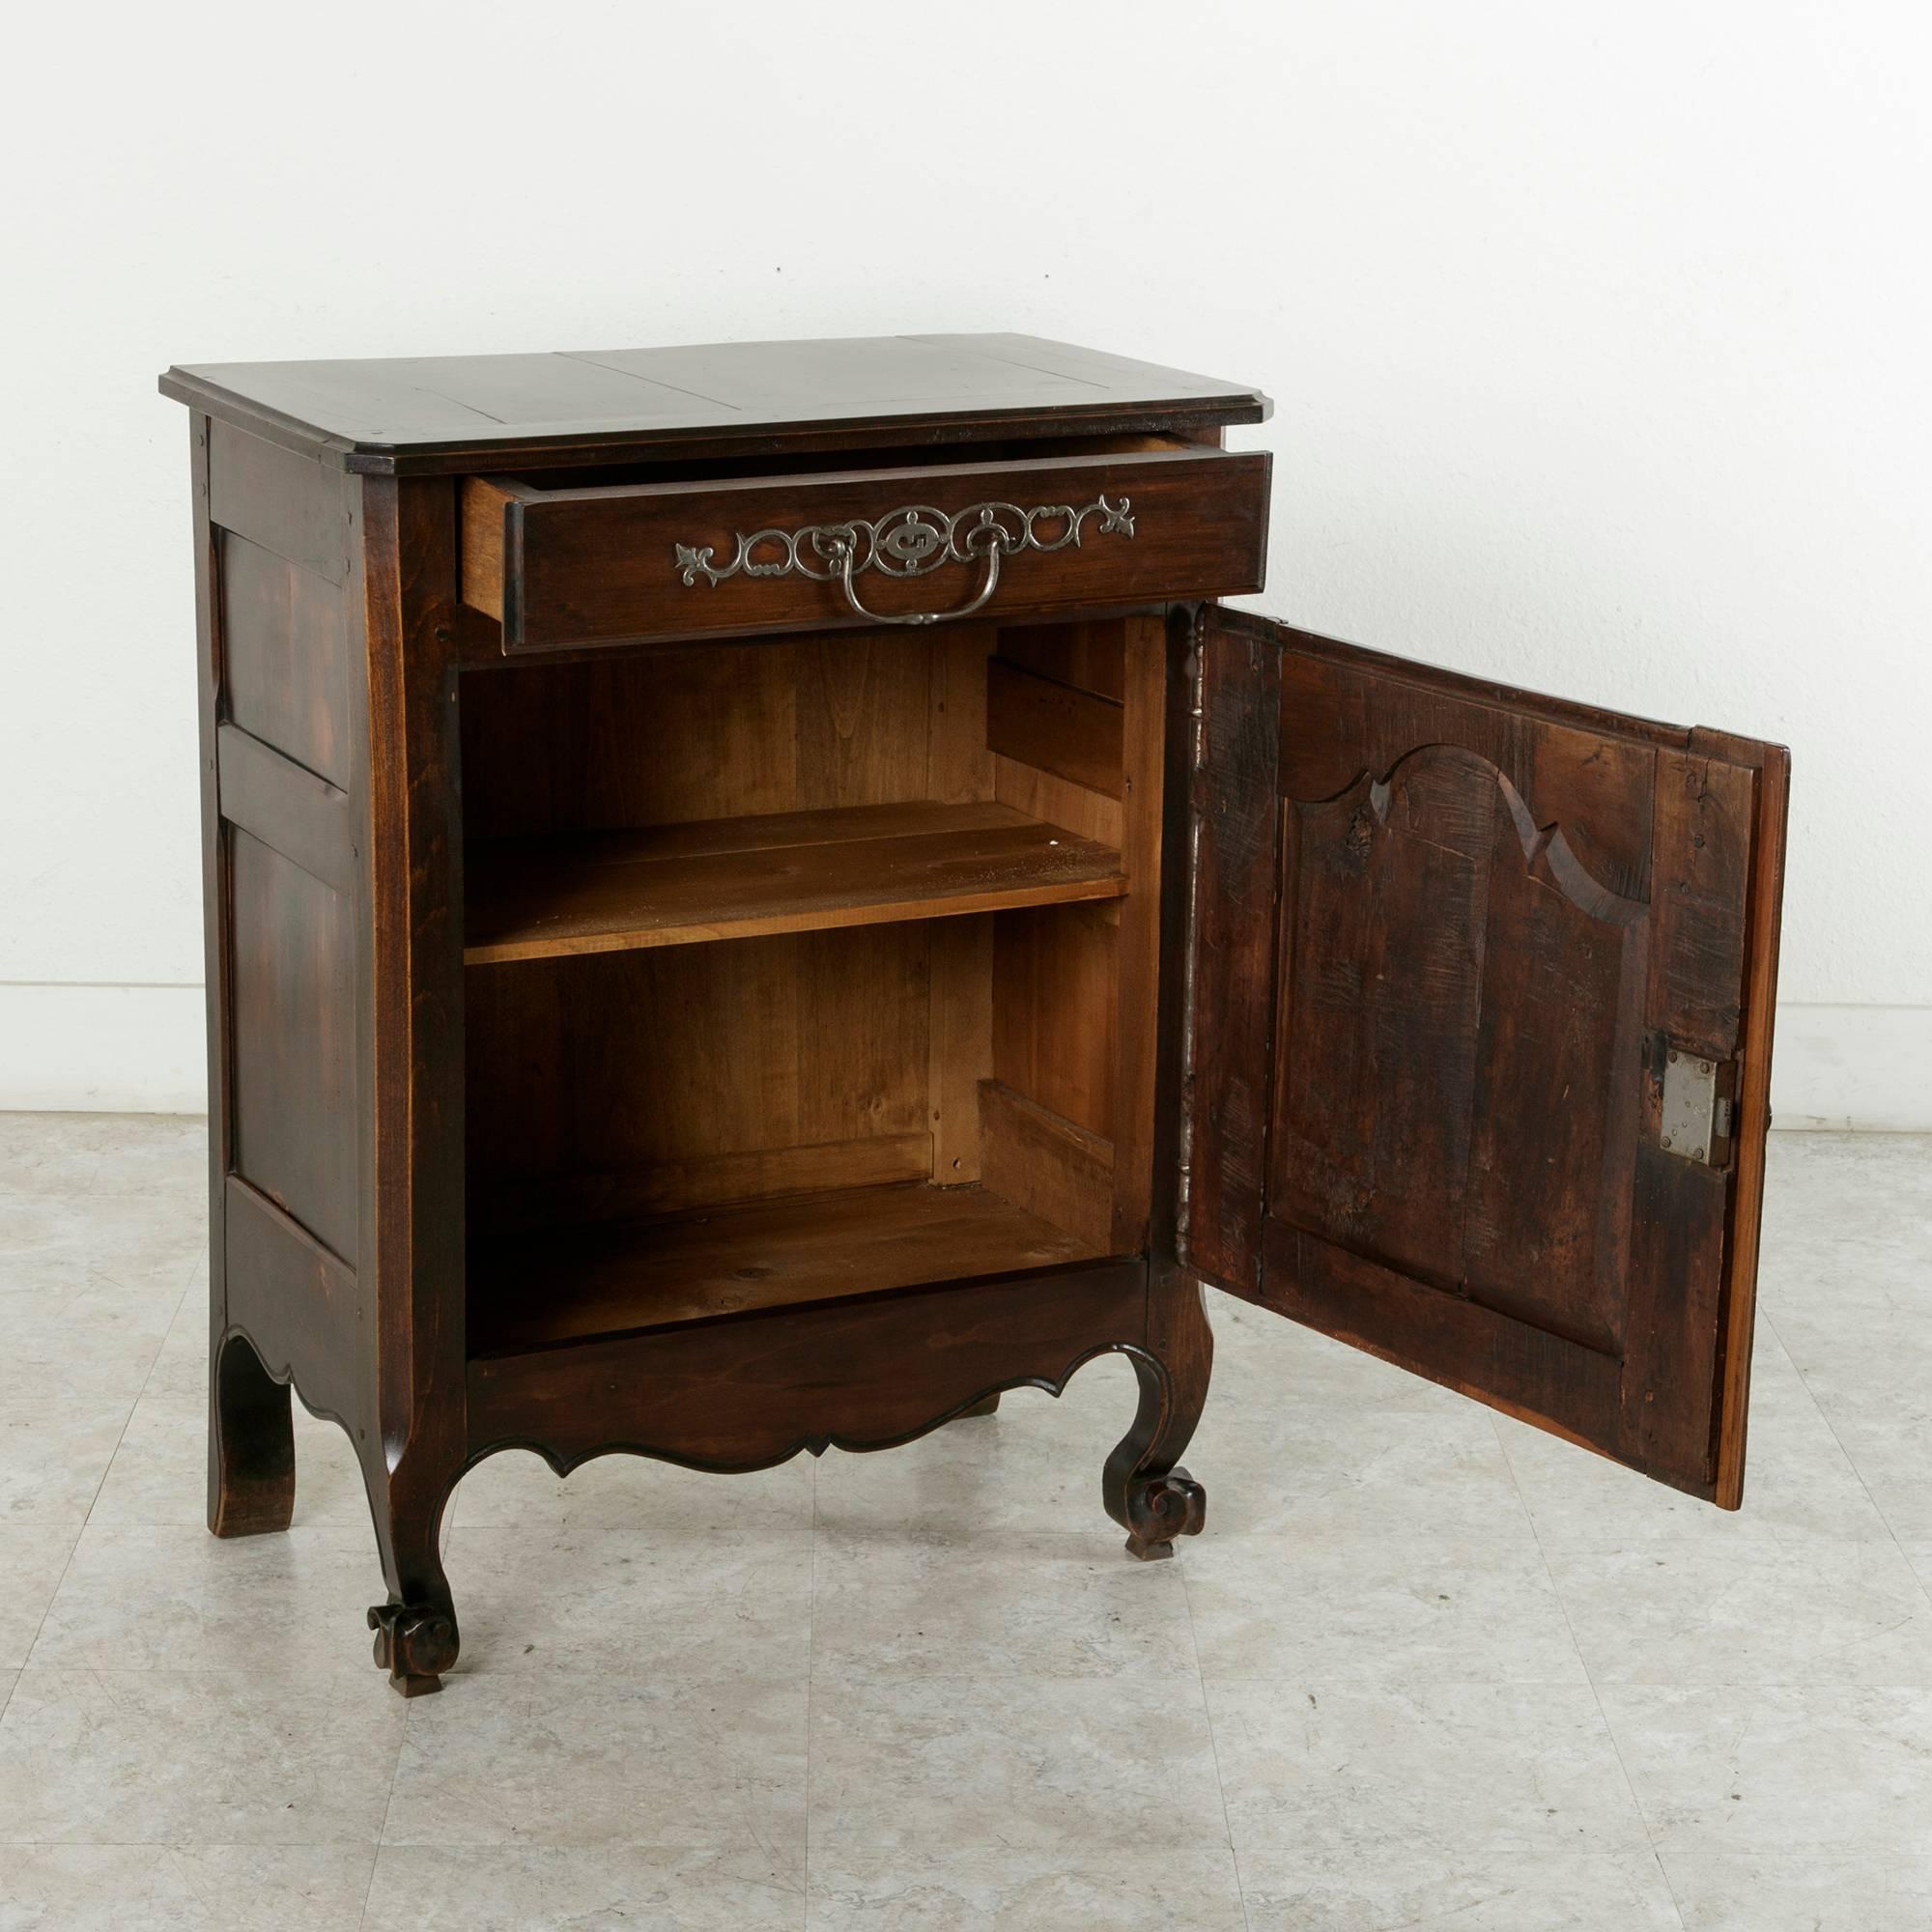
691,1076
722,731
1090,655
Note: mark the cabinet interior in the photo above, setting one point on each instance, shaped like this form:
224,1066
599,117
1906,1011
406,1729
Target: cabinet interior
795,969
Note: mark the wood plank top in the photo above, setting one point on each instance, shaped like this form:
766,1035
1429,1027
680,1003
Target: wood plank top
552,1286
799,871
443,413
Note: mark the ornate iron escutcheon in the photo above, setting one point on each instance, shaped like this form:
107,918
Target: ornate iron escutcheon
912,541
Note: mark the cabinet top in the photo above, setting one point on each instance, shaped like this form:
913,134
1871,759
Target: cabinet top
430,414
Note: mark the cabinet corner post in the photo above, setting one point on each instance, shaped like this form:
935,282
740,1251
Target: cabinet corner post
409,1047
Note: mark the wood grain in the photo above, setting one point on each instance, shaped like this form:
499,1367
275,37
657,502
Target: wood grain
863,1373
291,505
1530,1373
962,1044
1753,1120
410,1031
1090,653
1060,728
1145,718
286,641
1464,1170
1056,976
682,1185
665,737
1702,876
1048,1164
679,1057
1447,1002
600,565
1228,1082
303,817
296,1086
250,1464
792,872
612,1279
1058,801
438,413
301,1311
1345,712
959,766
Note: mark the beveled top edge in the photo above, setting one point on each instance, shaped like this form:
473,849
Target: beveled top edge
438,413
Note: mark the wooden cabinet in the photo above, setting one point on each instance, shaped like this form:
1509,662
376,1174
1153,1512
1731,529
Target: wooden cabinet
754,902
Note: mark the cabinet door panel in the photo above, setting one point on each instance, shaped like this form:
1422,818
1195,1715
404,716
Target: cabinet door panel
1447,939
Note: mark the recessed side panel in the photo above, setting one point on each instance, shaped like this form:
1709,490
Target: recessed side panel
293,1041
285,637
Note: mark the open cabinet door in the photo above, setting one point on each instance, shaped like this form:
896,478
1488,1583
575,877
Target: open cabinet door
1478,1036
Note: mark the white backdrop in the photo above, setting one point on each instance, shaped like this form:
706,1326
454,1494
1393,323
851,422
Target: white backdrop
1599,340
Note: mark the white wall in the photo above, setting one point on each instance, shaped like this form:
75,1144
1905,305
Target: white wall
1600,340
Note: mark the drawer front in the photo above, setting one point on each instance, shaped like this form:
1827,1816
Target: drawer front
563,569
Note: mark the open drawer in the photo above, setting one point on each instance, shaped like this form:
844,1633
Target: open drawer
562,568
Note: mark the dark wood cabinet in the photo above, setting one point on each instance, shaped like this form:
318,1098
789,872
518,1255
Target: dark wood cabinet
755,900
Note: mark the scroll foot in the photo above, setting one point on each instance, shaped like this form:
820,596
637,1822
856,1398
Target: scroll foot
415,1644
1171,1505
1144,1487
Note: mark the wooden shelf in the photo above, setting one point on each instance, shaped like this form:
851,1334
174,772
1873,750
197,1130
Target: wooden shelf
734,878
531,1291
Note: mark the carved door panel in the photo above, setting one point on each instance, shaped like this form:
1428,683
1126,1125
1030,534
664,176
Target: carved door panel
1479,1035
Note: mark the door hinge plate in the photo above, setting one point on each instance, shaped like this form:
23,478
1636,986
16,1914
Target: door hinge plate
1696,1116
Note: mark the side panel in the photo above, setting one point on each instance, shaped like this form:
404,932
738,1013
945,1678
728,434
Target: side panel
283,879
1447,940
288,674
295,1086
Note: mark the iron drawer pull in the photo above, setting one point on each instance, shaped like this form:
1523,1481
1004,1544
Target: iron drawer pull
844,550
909,542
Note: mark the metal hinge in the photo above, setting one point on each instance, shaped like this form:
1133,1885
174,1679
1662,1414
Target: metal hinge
1699,1100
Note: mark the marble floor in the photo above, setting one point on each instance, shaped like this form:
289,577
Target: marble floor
1428,1669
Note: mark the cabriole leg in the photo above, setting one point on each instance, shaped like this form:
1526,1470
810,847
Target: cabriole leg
1144,1488
251,1443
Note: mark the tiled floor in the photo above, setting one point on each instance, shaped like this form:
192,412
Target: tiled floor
1426,1670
